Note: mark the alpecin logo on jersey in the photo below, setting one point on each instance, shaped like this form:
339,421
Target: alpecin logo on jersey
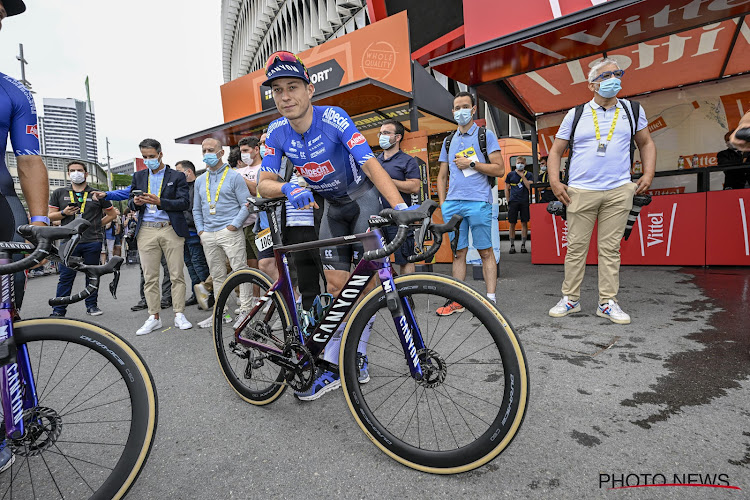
356,140
270,151
315,171
33,130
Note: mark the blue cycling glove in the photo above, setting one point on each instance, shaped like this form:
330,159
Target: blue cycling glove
299,197
403,206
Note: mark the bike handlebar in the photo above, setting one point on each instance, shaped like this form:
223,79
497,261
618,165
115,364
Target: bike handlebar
93,273
405,217
42,238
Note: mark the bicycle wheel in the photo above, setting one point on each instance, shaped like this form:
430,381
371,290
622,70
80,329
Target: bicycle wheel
248,371
468,409
93,429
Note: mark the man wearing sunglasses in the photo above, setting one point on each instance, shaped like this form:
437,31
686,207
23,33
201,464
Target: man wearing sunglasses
599,186
327,150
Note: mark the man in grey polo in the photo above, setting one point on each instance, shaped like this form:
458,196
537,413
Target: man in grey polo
219,211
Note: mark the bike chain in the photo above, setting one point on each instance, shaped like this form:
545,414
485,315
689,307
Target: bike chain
302,378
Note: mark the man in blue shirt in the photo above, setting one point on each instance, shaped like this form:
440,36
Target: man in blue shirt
160,198
467,174
404,171
517,188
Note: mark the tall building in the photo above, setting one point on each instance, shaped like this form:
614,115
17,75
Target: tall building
68,129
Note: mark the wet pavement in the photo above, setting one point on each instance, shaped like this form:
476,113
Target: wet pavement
666,396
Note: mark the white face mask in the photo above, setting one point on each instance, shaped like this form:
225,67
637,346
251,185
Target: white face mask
77,177
520,166
543,168
247,159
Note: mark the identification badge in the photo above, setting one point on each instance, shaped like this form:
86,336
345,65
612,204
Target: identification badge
212,209
151,209
602,149
264,240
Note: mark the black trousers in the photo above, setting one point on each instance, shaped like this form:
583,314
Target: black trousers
305,267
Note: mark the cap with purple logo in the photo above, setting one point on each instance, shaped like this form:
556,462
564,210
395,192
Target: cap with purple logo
283,64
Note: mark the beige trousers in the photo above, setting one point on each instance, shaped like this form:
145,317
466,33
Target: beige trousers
152,242
611,209
219,246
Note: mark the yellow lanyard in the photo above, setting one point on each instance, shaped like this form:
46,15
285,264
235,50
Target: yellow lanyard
158,194
83,205
208,193
611,128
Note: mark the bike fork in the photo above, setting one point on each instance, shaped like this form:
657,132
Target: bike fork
406,325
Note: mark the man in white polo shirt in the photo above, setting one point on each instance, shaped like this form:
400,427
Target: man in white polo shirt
599,187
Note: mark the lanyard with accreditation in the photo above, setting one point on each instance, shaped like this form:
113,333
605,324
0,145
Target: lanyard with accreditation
212,206
151,207
601,149
83,202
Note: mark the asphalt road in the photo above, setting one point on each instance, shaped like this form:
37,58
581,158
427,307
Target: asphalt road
668,394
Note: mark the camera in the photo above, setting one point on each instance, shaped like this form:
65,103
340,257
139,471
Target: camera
557,208
639,200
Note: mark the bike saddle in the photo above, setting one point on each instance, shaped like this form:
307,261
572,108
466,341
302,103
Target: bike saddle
264,203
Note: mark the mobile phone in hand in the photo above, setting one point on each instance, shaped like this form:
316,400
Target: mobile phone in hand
137,192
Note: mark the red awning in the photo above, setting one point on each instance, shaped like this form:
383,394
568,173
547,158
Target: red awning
661,44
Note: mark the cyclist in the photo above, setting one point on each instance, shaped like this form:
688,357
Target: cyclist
18,119
329,152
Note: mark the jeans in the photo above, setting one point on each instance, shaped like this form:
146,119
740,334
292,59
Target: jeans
195,260
90,254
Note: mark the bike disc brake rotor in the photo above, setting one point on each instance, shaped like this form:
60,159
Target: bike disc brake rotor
434,368
43,427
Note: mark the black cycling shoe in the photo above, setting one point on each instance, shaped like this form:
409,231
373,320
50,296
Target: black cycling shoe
512,250
523,250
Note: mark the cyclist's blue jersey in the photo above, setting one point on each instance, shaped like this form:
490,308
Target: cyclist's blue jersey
329,155
17,117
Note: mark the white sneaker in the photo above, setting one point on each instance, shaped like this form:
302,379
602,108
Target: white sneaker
149,326
241,314
206,323
181,322
611,310
565,307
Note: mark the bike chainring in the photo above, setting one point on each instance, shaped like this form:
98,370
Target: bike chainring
434,368
302,378
43,426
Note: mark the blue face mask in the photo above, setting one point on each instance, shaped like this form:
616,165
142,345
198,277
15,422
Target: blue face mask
462,116
210,159
262,150
152,163
385,142
610,87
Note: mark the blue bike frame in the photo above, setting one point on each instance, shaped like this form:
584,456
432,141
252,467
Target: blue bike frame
17,388
403,316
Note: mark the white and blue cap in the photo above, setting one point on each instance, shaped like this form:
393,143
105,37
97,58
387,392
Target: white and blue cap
284,64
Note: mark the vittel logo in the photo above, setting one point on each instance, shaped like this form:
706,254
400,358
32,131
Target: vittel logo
332,117
655,229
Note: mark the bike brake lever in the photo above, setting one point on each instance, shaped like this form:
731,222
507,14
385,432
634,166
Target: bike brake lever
113,285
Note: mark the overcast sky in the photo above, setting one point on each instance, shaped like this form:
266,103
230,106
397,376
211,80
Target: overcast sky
154,66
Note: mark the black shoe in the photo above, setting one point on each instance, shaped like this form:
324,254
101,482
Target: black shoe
57,315
523,249
166,304
512,250
94,311
191,301
211,300
139,306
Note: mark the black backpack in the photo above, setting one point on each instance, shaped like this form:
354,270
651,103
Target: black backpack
482,147
629,106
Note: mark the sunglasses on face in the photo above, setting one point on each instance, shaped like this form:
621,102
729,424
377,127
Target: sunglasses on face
609,74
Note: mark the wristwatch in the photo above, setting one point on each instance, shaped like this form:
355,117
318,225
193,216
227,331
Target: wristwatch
472,164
